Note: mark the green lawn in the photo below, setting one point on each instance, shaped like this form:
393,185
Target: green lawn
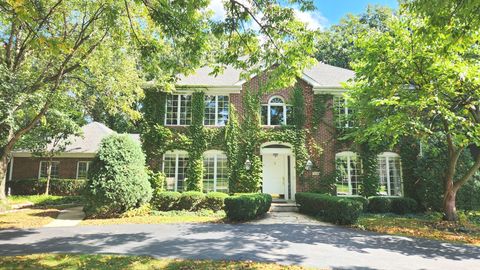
115,262
44,200
425,225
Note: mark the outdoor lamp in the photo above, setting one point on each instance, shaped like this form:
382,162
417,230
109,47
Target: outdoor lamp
309,165
248,164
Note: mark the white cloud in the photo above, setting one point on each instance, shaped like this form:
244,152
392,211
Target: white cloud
313,19
219,12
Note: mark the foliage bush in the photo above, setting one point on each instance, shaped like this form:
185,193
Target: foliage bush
247,207
404,205
214,201
118,180
143,210
397,205
157,181
191,200
59,187
361,199
338,210
166,200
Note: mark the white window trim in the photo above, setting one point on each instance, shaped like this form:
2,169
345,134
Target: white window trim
346,113
387,156
179,109
177,154
214,154
78,167
40,167
269,105
349,155
216,110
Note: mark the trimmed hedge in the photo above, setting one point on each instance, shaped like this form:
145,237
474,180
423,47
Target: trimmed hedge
58,187
338,210
166,200
248,206
191,200
214,201
397,205
358,198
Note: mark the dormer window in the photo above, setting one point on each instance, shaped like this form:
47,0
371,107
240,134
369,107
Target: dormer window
275,112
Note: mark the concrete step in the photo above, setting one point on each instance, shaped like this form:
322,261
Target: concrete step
283,207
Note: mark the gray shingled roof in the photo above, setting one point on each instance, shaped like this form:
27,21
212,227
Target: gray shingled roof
320,75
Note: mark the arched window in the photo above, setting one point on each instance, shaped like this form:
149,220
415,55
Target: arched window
275,112
175,167
390,171
348,168
215,177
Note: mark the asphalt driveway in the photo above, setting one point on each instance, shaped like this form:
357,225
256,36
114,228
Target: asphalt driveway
310,245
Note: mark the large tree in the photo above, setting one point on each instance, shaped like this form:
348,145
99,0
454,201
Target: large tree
103,51
336,45
420,78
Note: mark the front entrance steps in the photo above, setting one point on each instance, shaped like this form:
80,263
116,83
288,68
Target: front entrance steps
279,205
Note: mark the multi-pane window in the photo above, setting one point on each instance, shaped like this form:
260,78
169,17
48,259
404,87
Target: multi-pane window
216,110
215,177
348,168
178,110
390,171
276,112
343,115
82,169
174,168
44,169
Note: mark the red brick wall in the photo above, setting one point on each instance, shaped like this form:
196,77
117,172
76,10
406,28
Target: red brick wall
27,167
324,134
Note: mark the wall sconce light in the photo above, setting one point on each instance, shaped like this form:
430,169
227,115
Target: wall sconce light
309,165
248,165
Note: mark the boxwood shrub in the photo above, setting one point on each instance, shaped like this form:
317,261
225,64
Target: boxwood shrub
248,206
58,187
358,198
397,205
338,210
214,201
166,200
191,200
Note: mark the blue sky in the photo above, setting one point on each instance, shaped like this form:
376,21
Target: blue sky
328,11
334,10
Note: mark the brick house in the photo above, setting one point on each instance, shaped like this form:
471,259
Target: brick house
279,172
71,164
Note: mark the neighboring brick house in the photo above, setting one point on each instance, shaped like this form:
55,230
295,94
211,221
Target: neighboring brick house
279,174
71,164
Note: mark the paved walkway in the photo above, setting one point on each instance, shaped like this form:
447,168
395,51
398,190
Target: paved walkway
68,217
288,218
312,245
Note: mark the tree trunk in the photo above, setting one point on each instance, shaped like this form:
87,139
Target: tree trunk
449,205
49,174
3,177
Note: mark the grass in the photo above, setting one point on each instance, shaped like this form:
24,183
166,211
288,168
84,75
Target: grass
28,218
425,226
44,210
157,217
44,200
114,262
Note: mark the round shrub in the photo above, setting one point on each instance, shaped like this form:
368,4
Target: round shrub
191,200
117,180
404,205
379,204
214,201
247,206
165,200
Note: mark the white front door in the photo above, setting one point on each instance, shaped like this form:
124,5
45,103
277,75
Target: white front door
275,174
